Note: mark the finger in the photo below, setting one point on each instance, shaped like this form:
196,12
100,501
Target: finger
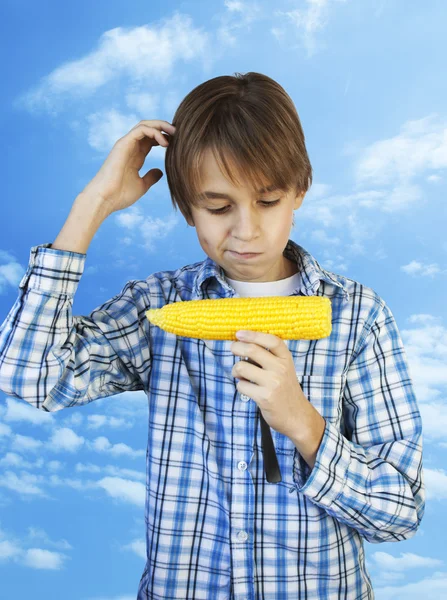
270,342
152,177
255,354
243,370
254,383
249,389
144,131
160,123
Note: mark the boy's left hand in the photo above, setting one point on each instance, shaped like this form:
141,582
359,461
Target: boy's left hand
275,388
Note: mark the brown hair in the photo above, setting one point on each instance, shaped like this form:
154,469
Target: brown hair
246,120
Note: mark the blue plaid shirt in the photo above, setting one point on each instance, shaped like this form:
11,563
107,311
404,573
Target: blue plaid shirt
216,529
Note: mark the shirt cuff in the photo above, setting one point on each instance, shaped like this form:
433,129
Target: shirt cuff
325,481
53,271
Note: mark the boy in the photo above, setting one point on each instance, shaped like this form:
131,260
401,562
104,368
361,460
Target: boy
348,433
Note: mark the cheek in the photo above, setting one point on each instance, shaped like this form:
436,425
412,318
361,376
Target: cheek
207,242
210,235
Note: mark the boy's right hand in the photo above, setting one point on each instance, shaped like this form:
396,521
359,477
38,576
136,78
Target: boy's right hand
118,182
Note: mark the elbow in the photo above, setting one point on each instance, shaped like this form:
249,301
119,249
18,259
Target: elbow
394,533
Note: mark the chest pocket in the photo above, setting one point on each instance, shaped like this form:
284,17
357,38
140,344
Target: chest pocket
326,395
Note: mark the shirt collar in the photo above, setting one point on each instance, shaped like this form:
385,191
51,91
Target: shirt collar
308,267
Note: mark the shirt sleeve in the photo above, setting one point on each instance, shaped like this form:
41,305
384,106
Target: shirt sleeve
54,360
372,478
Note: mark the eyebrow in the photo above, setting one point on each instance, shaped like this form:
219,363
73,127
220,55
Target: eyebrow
214,195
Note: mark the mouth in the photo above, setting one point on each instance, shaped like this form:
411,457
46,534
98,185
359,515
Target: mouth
245,255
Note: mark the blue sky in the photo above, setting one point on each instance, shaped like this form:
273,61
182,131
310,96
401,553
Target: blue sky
368,81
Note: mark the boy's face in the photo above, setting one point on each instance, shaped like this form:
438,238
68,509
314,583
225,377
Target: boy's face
245,225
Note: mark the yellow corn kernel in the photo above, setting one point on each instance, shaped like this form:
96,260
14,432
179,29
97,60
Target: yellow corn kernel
288,317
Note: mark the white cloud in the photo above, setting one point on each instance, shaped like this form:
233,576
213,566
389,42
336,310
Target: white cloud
138,547
81,468
143,53
26,484
18,551
24,412
417,268
24,443
73,419
435,484
97,421
37,533
54,465
11,459
421,145
76,484
143,102
8,550
306,21
65,439
395,167
111,470
107,126
37,558
321,236
130,406
239,15
11,272
146,228
407,561
5,430
434,421
431,587
102,444
124,489
129,492
123,472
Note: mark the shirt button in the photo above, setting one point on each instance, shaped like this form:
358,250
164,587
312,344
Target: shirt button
242,535
242,465
245,398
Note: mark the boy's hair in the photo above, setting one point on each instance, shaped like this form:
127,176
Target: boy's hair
246,120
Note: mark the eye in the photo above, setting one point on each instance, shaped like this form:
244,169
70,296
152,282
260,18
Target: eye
223,210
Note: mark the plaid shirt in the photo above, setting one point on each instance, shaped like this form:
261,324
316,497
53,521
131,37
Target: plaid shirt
216,529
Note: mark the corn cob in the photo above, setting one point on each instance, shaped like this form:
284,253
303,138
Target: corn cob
288,317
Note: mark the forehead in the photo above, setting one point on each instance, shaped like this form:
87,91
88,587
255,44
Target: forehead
212,179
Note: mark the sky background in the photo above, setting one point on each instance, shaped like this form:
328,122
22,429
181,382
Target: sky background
368,81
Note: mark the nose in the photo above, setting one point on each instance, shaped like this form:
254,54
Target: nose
246,225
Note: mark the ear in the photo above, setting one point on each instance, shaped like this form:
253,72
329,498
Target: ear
299,200
190,221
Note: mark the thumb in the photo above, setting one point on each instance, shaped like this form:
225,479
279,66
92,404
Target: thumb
152,177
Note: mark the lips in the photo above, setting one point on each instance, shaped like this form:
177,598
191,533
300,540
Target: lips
245,257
